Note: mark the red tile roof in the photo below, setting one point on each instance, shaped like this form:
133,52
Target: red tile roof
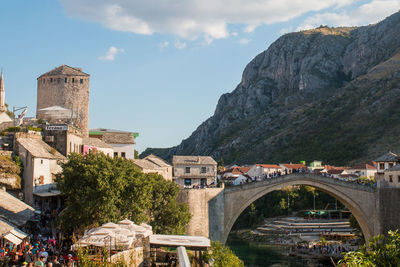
293,166
269,166
364,166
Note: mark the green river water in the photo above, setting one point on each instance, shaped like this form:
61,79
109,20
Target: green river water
260,255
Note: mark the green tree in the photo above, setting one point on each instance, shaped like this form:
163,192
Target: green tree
100,189
136,154
384,250
223,256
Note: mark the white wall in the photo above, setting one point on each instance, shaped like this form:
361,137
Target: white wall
129,150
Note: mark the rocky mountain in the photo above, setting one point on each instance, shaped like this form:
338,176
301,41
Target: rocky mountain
331,94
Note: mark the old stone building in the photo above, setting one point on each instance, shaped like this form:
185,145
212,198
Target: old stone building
122,142
65,138
154,164
65,87
194,171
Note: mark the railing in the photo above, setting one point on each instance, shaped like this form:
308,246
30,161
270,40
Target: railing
183,258
298,176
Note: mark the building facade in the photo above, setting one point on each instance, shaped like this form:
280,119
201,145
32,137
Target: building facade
123,143
41,164
154,164
194,171
392,176
66,87
385,162
64,138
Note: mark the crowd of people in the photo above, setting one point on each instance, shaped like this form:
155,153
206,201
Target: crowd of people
40,248
275,174
321,249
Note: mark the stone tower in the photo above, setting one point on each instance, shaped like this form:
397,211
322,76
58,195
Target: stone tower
66,87
2,94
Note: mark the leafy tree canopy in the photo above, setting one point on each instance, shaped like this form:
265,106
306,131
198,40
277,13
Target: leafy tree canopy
223,256
100,189
384,250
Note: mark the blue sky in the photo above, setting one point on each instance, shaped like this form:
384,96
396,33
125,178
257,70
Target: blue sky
157,67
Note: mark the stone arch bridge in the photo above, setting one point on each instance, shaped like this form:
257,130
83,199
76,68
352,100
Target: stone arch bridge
215,210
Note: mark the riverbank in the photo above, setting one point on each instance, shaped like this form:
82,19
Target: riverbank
294,241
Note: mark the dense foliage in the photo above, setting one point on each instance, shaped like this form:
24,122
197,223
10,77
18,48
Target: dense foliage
223,256
284,202
100,189
384,250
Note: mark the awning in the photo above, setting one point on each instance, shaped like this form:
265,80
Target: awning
52,193
190,242
18,233
13,239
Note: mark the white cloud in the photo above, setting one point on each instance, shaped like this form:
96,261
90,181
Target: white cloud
164,44
111,53
179,44
370,12
193,19
244,41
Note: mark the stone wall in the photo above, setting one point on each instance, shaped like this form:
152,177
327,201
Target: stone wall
204,205
54,90
131,257
389,209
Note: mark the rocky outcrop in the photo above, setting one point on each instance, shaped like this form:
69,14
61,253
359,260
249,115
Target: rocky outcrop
326,93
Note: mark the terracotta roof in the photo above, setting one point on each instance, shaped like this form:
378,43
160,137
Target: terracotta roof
96,142
237,170
364,166
389,156
269,166
14,210
293,166
39,149
65,70
193,160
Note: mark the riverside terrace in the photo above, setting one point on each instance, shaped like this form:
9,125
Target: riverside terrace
215,210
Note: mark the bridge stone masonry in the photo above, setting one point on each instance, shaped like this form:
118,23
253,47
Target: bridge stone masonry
215,210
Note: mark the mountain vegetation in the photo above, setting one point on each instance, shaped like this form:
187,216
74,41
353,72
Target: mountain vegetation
330,94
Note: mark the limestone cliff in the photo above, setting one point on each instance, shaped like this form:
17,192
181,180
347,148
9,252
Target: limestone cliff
329,93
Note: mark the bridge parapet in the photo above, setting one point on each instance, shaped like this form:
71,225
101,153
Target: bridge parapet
295,176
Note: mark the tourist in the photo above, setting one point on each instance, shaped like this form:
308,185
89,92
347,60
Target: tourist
40,262
43,253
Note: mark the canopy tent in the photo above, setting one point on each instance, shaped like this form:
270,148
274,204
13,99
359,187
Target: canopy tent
12,238
114,236
240,180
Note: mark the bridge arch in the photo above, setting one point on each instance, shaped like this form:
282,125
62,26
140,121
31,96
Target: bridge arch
359,199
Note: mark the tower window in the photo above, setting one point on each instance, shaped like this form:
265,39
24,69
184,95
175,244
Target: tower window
65,80
73,80
44,80
51,80
81,81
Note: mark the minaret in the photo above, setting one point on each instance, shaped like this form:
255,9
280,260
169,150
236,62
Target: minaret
2,95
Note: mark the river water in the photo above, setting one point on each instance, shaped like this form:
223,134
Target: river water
261,255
